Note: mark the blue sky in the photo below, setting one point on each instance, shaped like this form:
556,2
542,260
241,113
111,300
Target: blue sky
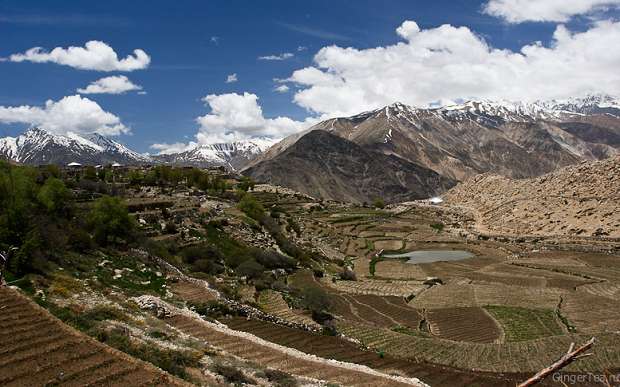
195,45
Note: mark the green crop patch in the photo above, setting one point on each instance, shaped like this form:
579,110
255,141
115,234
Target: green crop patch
521,324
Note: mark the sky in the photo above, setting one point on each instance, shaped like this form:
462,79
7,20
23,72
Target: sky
164,76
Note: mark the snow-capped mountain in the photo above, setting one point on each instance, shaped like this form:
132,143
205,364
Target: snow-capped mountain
233,155
38,146
539,110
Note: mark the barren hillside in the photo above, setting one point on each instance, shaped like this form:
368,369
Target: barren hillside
580,200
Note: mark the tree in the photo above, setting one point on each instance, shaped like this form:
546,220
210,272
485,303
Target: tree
54,196
91,174
251,207
110,221
378,203
246,184
315,299
250,269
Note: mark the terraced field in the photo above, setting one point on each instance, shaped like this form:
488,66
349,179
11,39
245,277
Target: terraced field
464,324
273,356
521,324
524,356
273,303
334,348
377,287
39,350
192,292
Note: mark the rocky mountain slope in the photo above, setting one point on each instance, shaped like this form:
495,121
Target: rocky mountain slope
516,140
579,200
459,141
340,169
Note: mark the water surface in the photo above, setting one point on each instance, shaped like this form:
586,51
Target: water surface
428,256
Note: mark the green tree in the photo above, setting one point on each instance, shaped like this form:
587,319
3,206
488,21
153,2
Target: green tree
251,207
110,221
246,184
91,174
378,203
54,196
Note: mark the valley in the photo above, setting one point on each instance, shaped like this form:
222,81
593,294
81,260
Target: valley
238,282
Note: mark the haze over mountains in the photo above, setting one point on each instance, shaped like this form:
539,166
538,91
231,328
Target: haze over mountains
397,152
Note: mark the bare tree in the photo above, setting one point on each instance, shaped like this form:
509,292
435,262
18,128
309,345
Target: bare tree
570,356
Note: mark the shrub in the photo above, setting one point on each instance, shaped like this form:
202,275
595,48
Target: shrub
232,375
378,203
250,269
280,379
438,227
251,207
110,221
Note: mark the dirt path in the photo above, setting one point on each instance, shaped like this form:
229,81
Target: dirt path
37,350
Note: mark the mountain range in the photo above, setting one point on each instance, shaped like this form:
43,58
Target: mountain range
517,140
37,146
397,152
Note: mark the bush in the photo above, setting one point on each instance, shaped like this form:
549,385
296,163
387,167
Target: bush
250,269
378,203
251,207
438,227
280,379
315,299
110,221
232,375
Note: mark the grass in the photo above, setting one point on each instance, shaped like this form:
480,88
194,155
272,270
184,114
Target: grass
521,324
406,330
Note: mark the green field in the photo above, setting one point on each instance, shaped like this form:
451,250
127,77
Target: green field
522,324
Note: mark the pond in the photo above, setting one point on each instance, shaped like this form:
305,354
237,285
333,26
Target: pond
428,256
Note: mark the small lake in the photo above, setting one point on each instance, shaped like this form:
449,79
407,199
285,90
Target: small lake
428,256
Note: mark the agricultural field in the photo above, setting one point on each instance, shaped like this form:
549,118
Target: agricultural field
464,324
31,336
268,288
521,324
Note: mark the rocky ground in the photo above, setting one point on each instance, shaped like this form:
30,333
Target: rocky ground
580,200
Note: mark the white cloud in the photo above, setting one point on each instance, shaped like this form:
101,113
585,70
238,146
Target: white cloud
95,55
72,114
232,78
117,84
281,89
238,116
450,63
215,40
177,147
283,56
518,11
301,48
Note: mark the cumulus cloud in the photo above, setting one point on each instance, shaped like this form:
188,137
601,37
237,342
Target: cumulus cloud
232,78
235,117
518,11
117,84
72,114
450,63
281,89
177,147
95,55
239,116
283,56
